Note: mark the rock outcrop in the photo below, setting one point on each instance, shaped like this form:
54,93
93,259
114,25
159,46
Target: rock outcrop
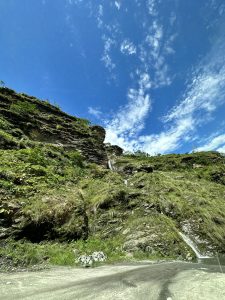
26,119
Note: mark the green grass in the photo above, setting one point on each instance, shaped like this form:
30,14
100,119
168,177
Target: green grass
56,187
24,253
7,140
37,169
24,107
4,124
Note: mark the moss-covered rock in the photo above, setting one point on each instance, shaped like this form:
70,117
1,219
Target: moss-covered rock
39,121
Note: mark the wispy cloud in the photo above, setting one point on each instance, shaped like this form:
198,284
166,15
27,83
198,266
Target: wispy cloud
72,2
106,57
214,143
168,140
126,124
94,112
117,4
129,120
204,94
128,48
99,16
151,6
221,149
154,50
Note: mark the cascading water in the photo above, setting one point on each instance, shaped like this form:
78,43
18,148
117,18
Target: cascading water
192,245
110,165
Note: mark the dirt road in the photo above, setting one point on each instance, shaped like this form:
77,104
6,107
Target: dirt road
164,281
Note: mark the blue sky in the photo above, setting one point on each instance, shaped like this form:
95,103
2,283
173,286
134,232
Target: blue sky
152,72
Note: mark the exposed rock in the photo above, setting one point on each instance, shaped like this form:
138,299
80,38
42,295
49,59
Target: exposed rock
88,260
71,226
85,260
131,169
145,168
42,122
197,166
141,242
113,149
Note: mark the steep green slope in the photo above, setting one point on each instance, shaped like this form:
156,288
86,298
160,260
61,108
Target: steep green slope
56,203
26,121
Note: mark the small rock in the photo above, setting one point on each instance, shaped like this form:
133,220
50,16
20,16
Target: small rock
88,260
98,256
85,260
126,231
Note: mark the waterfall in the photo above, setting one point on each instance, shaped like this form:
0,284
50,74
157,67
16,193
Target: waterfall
125,182
192,245
110,165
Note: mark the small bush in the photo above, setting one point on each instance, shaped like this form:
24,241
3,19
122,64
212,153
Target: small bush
81,125
38,170
23,107
4,124
76,158
7,140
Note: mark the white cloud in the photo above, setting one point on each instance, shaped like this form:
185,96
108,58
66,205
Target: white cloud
99,16
127,47
206,93
221,149
117,4
214,143
129,120
203,96
126,124
74,2
95,112
106,57
153,39
151,7
168,140
153,53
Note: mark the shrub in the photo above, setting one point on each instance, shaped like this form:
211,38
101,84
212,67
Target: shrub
76,158
81,125
38,170
7,139
23,107
4,124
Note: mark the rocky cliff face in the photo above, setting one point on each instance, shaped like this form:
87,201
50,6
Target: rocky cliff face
26,120
56,190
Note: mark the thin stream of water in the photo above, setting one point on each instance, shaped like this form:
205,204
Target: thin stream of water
110,165
192,245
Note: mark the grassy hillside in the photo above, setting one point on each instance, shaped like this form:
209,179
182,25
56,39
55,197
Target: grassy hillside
56,204
25,121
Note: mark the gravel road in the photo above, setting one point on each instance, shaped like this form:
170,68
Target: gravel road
142,281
